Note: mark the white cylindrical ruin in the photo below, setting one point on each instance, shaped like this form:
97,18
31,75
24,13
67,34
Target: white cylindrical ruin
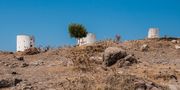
24,42
90,38
153,33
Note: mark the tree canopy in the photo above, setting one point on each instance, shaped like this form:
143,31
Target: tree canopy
77,31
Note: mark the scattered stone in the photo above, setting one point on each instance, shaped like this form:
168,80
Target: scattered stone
140,86
144,47
6,52
174,41
11,52
5,83
9,82
14,73
155,88
149,85
178,41
24,65
130,82
25,85
104,68
17,81
37,63
96,59
28,88
31,51
66,62
112,55
131,58
167,75
14,65
20,58
6,64
10,65
177,47
127,61
174,87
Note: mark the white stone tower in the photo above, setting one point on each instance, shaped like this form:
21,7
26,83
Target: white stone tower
153,33
24,42
89,39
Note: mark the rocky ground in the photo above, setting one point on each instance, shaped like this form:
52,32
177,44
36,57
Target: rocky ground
105,65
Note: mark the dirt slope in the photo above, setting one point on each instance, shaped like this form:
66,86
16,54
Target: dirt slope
80,68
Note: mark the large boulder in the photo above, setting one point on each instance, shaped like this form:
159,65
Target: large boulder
127,61
112,55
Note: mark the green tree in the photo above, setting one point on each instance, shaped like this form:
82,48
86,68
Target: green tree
77,31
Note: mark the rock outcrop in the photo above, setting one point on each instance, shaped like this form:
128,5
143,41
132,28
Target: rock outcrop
112,55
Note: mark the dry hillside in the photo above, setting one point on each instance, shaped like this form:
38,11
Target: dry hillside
105,65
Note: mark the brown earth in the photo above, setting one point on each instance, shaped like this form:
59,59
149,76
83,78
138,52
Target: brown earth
81,68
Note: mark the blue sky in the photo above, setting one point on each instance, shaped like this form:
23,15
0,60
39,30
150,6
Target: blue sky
48,20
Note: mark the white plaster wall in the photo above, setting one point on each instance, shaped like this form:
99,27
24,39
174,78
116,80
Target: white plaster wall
90,38
24,42
153,33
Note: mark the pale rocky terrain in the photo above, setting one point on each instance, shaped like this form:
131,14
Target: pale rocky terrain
105,65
